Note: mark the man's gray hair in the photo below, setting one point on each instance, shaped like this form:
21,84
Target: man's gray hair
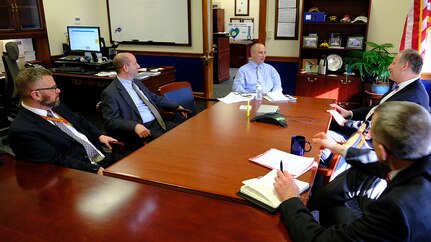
404,128
414,59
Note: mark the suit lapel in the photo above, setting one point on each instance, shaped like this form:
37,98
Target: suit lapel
126,97
43,124
402,91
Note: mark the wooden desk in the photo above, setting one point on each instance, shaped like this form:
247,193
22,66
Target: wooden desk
209,153
42,202
89,87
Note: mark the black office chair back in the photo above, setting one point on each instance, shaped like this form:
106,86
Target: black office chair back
10,57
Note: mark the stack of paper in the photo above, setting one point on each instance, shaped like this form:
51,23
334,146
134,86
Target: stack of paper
235,97
294,164
278,96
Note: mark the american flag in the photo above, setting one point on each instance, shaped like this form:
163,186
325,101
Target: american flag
418,22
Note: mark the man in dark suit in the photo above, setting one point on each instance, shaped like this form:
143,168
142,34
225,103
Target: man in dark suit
404,72
37,134
126,106
401,134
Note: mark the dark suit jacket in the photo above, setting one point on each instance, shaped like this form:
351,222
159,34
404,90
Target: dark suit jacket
121,114
401,213
34,139
414,92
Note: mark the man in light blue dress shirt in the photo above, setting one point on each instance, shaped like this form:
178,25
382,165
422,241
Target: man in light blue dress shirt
257,72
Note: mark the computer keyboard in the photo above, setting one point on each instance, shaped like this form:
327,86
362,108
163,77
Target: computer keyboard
71,58
72,69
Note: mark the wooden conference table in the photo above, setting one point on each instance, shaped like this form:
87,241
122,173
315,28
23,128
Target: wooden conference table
209,153
43,202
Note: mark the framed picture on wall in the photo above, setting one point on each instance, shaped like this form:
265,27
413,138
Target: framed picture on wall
242,7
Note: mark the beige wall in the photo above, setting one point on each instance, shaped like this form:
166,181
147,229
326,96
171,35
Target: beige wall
229,7
60,14
386,23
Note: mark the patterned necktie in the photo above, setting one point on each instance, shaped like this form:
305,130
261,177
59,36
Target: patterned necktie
150,106
91,151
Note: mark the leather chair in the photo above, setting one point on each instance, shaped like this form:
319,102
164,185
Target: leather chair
182,93
10,96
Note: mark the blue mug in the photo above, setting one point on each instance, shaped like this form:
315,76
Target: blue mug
297,145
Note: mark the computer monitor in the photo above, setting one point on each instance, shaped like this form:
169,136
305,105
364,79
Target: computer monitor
84,38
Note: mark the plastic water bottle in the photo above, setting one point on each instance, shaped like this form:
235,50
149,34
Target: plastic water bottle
259,92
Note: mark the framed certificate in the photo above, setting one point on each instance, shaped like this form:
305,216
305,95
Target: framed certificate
242,7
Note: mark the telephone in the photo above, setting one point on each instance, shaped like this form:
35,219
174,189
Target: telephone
271,118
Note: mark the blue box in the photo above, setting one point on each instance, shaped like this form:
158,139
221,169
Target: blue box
315,17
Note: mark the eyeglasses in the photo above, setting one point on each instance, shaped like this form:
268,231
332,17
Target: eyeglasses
243,94
46,88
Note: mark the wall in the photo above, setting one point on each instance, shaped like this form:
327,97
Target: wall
60,14
387,21
229,7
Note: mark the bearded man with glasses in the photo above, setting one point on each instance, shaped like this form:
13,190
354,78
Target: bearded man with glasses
47,131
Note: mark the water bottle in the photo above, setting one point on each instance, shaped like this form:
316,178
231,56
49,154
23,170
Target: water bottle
259,92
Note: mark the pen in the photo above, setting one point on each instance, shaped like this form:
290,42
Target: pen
281,165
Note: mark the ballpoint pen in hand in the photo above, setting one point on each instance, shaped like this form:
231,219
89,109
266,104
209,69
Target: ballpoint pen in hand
281,165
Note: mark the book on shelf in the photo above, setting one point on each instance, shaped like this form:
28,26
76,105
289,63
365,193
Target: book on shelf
294,164
261,191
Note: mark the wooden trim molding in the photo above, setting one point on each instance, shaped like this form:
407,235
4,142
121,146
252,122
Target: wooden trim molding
282,59
426,76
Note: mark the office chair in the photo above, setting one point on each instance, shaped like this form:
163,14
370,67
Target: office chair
10,96
182,93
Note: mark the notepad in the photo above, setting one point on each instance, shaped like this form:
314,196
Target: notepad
261,192
267,109
294,164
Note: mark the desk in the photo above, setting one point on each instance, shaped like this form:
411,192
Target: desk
208,154
43,202
89,87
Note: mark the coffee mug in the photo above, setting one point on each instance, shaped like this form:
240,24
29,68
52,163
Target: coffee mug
297,145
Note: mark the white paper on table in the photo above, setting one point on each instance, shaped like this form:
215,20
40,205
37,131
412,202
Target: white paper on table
294,164
235,98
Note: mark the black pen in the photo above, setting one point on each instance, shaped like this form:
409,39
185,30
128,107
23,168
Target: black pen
281,165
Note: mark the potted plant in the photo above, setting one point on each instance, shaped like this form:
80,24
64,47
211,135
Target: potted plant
372,64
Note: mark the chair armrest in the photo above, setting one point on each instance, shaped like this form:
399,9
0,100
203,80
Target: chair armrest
201,96
182,110
324,171
117,145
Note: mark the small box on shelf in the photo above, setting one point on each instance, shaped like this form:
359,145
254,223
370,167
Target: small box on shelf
314,17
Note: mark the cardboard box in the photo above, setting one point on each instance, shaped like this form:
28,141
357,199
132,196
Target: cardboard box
314,17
